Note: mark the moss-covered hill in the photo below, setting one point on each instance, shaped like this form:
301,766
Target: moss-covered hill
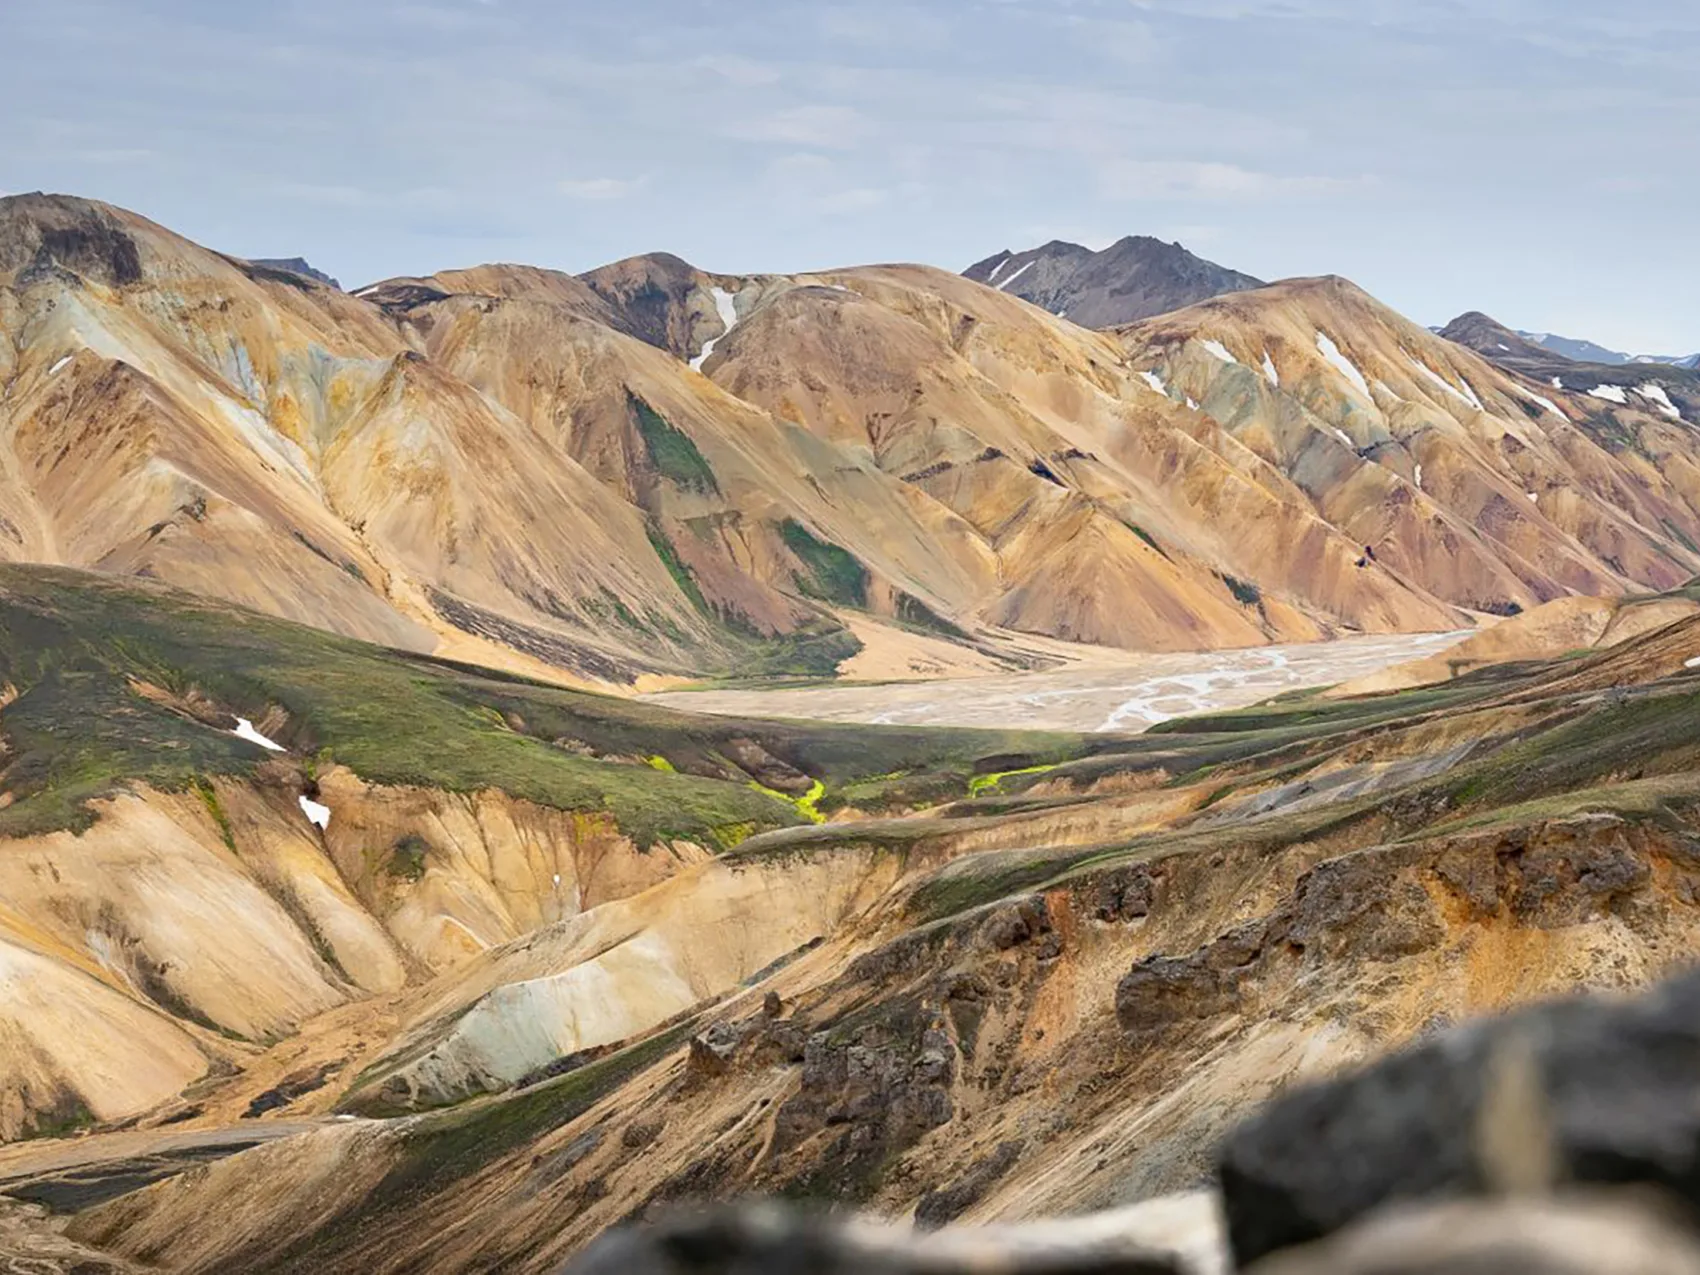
107,682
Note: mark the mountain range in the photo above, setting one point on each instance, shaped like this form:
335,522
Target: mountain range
1670,390
356,914
1589,352
649,470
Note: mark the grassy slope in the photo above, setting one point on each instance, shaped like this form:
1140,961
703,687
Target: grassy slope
1635,754
1578,754
70,644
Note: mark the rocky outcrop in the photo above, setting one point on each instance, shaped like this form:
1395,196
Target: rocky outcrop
872,1088
1399,901
1586,1091
1577,1233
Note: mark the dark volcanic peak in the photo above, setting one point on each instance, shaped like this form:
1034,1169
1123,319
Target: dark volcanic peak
1494,341
649,294
295,265
1134,278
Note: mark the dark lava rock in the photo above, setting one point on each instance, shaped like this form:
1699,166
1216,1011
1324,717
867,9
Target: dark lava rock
296,1085
1380,904
1605,1092
639,1134
769,1240
713,1051
875,1087
938,1207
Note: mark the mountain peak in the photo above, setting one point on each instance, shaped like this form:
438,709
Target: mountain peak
296,266
1134,278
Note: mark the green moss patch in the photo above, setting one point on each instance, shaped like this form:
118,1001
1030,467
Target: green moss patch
671,451
831,574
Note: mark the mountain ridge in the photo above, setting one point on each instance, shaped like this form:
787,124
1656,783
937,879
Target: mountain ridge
1667,389
1134,278
652,471
1591,352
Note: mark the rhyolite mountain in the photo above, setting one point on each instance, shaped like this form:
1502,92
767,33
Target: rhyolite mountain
652,470
1134,278
348,939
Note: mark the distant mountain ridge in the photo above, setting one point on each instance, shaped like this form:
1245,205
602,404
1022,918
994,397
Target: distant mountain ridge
1588,352
1135,278
1668,389
296,265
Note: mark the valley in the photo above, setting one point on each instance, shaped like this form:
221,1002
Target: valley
563,959
497,754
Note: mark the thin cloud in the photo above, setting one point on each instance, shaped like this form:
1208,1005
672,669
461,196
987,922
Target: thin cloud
596,189
1210,180
1444,155
830,127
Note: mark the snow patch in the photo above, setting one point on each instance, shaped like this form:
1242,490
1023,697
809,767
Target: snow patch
1548,404
1192,402
1419,476
1219,350
59,366
245,730
1656,392
1269,370
317,814
1004,286
726,307
1156,383
998,269
1611,394
1345,438
1557,383
1693,663
1532,496
1440,382
1341,363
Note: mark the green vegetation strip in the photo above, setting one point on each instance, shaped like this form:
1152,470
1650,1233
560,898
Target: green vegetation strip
671,451
979,784
442,1148
804,805
76,648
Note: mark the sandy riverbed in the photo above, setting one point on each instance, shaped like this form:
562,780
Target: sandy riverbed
1123,696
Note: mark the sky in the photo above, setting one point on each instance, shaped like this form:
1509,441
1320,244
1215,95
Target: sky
1531,158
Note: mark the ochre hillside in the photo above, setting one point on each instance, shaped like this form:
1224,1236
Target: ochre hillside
653,470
